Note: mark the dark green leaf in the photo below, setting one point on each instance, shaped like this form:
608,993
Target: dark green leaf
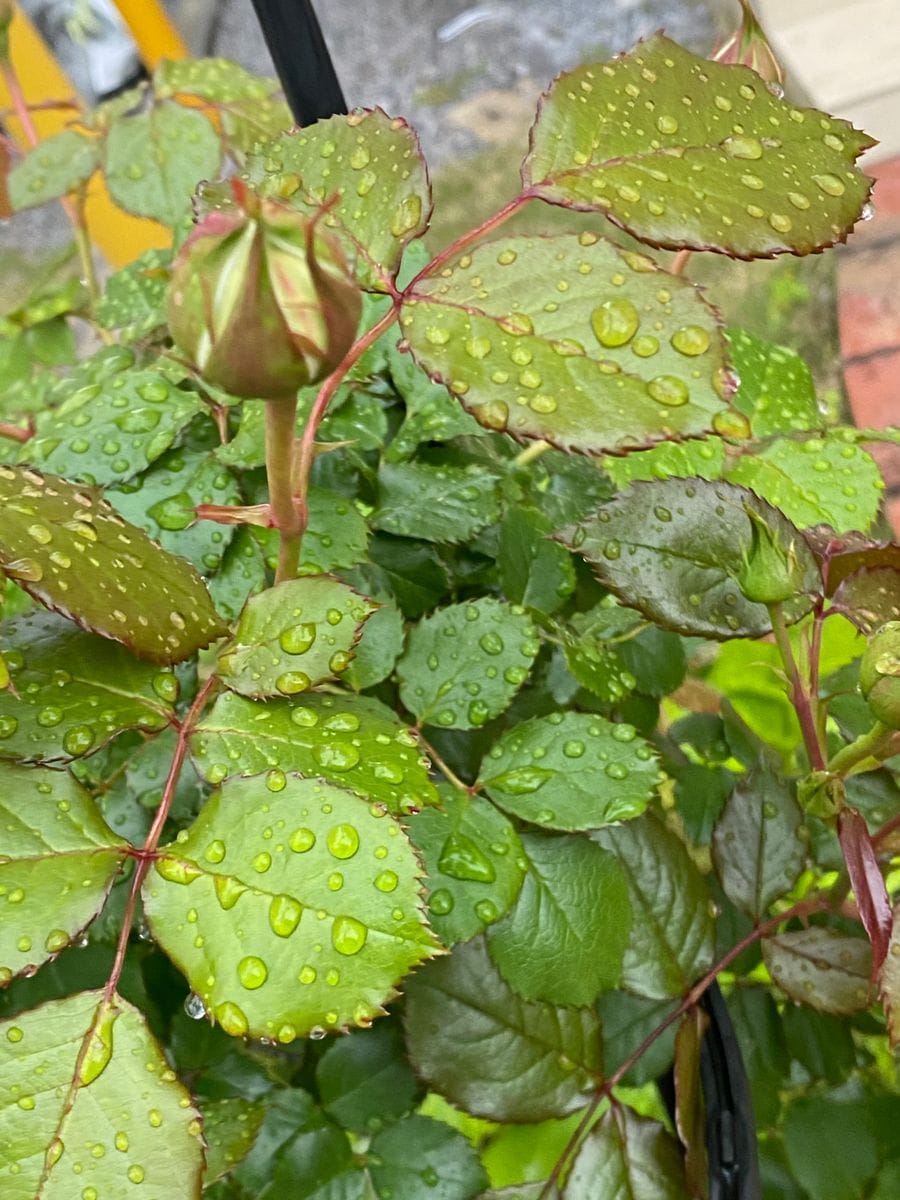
870,597
626,1156
821,1043
413,571
70,550
111,430
463,665
75,691
830,1147
85,1073
364,1080
421,1159
241,575
293,636
717,161
534,571
581,372
474,862
655,659
58,863
822,968
432,414
626,1021
760,1035
777,391
700,794
822,480
373,165
56,166
671,929
230,1127
154,160
473,1040
571,771
566,935
436,504
757,847
308,929
379,647
134,299
349,740
674,549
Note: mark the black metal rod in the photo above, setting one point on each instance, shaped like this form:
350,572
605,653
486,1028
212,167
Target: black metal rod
301,58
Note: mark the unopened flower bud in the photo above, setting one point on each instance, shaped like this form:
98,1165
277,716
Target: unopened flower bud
262,300
879,674
749,46
770,571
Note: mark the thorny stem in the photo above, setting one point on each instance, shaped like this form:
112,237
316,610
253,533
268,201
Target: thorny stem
799,696
803,909
281,416
867,746
148,850
815,657
472,235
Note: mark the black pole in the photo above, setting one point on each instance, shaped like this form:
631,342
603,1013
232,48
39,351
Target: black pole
301,58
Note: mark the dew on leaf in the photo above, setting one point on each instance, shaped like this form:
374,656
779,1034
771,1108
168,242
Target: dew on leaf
342,841
486,911
348,936
232,1019
194,1007
228,891
462,859
252,973
615,322
441,902
298,638
284,915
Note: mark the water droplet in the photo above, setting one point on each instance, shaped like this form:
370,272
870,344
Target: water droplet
573,748
780,222
691,340
348,936
486,911
262,862
615,322
669,390
868,211
491,643
298,639
228,891
8,726
343,841
232,1019
289,683
96,1058
284,915
731,423
316,1033
830,184
194,1007
252,972
166,687
407,215
743,147
78,740
436,335
666,124
177,870
306,718
387,881
276,780
478,712
522,781
301,840
441,902
462,859
617,771
645,346
48,717
336,756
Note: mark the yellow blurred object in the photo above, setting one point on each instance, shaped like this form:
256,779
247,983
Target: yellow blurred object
119,236
155,35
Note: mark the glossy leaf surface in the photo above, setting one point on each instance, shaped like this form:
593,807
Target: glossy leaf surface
869,597
717,162
134,300
419,1158
674,550
154,160
571,771
75,691
230,1127
437,504
473,1040
85,1072
626,1156
757,849
777,392
58,165
483,640
290,909
293,636
59,859
373,165
565,937
671,926
822,968
474,862
67,547
351,741
364,1079
625,355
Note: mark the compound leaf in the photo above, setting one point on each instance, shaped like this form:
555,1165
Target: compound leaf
74,691
293,636
757,849
70,550
84,1087
155,159
109,431
566,935
289,911
436,504
776,391
484,640
625,356
571,771
474,1040
59,861
474,862
822,480
371,167
687,153
822,968
627,1156
672,933
56,166
675,549
352,741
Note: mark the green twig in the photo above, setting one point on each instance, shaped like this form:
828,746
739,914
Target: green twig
854,758
799,695
281,416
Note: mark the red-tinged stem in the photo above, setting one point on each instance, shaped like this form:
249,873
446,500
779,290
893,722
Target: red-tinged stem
679,262
148,850
467,239
802,909
281,417
306,447
815,658
798,694
16,432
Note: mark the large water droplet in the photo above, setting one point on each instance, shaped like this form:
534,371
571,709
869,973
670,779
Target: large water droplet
522,781
284,915
298,639
462,859
691,340
78,740
441,902
194,1007
289,683
348,936
232,1019
615,322
228,890
343,841
669,390
743,147
252,972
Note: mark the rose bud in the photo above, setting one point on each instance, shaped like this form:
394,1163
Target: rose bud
770,571
261,299
749,46
879,674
